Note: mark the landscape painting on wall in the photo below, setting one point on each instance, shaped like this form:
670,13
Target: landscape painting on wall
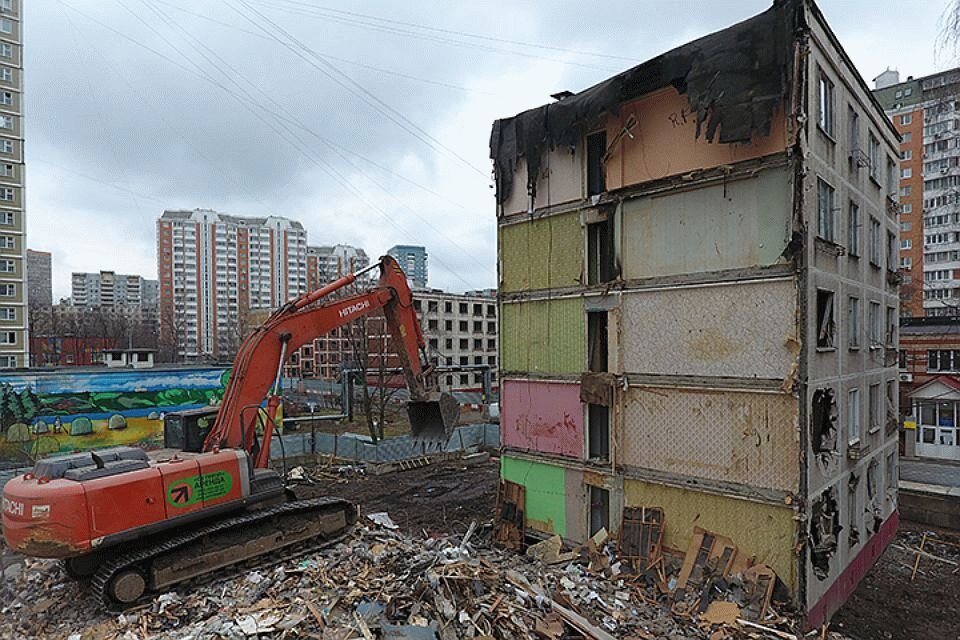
60,412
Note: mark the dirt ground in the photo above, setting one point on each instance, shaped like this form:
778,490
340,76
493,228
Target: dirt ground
888,605
441,497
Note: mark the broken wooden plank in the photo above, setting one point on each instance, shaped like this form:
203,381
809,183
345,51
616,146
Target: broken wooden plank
766,629
925,554
581,624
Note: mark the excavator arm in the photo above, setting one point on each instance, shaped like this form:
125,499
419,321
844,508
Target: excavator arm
259,363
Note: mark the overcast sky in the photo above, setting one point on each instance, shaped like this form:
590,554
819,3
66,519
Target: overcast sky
368,122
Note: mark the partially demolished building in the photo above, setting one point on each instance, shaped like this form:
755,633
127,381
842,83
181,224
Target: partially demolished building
698,288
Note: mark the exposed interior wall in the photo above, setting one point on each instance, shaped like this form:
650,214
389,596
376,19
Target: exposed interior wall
729,225
542,416
561,181
766,531
542,336
741,437
663,141
750,330
544,253
545,493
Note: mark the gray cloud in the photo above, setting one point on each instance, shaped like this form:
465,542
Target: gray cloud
171,129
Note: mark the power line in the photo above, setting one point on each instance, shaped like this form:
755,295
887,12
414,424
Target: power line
291,119
94,179
296,141
396,26
331,71
104,131
389,72
247,100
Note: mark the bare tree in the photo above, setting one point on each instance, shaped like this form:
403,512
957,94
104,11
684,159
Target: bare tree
172,326
947,44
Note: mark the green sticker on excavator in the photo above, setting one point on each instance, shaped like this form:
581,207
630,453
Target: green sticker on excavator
193,489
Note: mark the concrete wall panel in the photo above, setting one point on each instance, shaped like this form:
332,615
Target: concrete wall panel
543,254
544,336
663,141
737,224
745,333
763,530
731,436
542,416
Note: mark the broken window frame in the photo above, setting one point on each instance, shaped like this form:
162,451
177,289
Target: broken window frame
853,323
873,322
824,530
875,242
874,409
891,470
853,416
598,432
853,510
599,509
853,230
826,213
893,181
826,98
892,251
601,253
874,158
596,150
598,358
892,325
823,422
826,326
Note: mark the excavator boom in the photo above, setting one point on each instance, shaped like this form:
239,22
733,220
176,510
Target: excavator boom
260,359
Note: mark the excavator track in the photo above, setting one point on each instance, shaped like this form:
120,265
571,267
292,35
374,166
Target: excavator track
300,526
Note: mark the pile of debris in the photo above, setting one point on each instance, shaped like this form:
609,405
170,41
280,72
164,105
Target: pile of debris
380,583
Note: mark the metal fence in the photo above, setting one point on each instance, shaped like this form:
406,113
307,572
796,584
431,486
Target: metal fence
359,448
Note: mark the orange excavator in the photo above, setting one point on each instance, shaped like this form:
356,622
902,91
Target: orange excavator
135,522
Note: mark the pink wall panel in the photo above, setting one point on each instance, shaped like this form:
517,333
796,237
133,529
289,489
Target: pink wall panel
542,416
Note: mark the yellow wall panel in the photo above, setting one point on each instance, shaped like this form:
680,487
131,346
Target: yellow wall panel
762,530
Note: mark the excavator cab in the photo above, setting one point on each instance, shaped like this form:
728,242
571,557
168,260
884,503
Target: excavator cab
433,418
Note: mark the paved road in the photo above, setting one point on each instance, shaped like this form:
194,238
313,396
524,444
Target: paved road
930,472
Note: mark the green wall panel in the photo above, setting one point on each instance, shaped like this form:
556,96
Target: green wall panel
545,336
542,254
545,493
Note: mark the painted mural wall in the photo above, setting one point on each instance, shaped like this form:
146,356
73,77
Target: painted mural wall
44,413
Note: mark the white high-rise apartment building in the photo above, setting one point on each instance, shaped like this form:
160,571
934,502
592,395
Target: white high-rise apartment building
214,268
108,289
326,264
14,342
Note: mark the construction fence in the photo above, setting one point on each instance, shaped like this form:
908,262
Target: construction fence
359,448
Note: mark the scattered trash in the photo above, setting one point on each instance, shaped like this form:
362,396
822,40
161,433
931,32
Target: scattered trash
382,518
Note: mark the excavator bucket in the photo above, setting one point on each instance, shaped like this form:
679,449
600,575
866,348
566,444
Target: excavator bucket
432,420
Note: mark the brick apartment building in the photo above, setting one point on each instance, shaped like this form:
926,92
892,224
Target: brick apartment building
327,263
698,285
930,386
460,331
214,268
926,112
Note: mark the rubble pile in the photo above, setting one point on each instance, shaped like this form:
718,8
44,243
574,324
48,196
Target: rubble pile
381,583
